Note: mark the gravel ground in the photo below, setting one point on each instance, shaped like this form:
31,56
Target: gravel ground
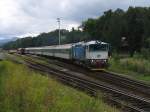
1,56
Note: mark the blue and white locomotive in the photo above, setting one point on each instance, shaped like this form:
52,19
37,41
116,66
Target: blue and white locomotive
91,54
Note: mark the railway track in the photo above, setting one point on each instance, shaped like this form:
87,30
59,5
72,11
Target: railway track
129,101
121,82
126,83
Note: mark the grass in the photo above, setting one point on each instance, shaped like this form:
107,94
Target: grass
137,68
22,90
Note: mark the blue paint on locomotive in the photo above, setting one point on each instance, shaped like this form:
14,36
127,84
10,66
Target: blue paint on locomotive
78,52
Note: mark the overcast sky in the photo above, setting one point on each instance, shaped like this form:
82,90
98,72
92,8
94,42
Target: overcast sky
30,17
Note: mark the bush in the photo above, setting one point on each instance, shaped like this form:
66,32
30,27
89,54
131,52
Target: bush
136,65
145,53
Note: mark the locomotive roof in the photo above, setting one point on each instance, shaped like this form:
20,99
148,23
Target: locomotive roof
90,42
95,42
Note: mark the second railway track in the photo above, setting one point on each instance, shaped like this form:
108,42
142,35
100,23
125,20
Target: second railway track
136,87
129,101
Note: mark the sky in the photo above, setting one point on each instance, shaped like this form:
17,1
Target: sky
20,18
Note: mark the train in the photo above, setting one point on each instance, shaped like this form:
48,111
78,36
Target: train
94,54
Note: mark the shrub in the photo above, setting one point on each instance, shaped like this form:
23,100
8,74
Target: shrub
137,65
145,53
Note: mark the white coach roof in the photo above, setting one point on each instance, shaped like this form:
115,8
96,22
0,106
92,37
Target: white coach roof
66,46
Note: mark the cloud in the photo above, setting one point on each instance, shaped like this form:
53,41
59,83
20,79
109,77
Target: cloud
25,17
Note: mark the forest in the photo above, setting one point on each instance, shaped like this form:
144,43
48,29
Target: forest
128,29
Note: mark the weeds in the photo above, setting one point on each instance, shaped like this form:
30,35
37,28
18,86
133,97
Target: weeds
22,90
135,67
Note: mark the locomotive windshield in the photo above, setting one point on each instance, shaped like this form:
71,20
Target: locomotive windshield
98,47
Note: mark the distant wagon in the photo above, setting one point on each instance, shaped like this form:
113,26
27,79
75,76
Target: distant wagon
21,50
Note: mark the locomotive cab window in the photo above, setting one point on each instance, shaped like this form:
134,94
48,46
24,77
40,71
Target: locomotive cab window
98,47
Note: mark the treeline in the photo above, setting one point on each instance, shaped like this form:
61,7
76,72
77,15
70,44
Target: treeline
47,39
131,26
120,28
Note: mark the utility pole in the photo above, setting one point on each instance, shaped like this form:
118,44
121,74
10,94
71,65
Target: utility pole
58,20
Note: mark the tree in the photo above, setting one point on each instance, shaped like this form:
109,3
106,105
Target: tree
135,29
134,24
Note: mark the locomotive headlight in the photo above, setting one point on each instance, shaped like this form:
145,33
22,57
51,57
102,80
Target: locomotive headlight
92,61
105,60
